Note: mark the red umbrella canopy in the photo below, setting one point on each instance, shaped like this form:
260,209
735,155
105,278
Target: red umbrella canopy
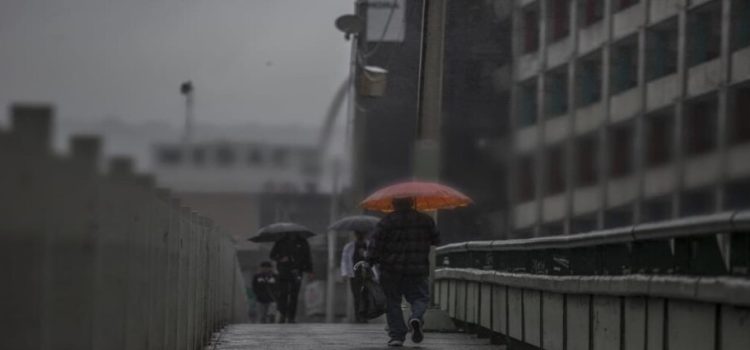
428,195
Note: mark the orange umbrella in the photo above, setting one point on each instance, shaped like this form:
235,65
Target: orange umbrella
428,195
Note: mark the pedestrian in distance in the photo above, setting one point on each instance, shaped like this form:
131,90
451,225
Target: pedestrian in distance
293,259
400,247
353,253
264,287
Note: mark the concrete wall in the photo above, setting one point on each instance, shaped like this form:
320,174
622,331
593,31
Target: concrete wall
94,261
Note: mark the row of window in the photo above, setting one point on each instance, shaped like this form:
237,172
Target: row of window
559,23
661,60
693,202
704,26
699,136
226,156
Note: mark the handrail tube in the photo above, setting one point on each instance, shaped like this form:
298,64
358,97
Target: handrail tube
685,227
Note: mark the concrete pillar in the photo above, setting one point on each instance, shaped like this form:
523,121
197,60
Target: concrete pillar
500,309
691,325
578,321
606,326
515,314
532,317
86,150
70,247
31,126
553,321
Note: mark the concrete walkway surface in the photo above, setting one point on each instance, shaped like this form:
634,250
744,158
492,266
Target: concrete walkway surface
332,337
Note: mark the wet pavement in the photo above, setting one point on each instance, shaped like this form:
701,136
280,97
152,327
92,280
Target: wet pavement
333,337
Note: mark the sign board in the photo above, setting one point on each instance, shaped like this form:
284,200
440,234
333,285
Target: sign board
386,20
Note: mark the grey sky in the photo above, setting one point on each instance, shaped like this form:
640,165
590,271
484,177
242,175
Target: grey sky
251,60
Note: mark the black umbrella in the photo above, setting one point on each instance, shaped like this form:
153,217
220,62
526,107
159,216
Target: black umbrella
275,232
361,223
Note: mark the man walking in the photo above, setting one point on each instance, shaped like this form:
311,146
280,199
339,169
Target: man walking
401,249
292,257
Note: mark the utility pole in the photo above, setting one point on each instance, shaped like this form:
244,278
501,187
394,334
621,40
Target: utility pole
430,105
430,94
332,243
186,89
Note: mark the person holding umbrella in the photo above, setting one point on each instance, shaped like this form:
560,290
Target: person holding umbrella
291,252
355,252
401,248
293,259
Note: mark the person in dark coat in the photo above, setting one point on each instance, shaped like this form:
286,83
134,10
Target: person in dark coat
264,287
353,253
293,259
400,247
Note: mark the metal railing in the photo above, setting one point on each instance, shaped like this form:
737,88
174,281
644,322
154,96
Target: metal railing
93,261
715,245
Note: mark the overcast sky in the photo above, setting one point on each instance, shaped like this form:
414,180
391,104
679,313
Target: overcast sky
250,60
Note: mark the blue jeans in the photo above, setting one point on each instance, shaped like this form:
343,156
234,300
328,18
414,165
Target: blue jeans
416,291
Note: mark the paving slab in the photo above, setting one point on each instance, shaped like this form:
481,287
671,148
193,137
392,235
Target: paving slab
333,337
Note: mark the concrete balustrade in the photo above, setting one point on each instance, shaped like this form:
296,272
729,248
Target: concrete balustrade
621,289
103,261
552,312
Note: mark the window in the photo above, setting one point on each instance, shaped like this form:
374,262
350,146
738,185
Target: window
704,33
621,150
583,223
255,156
586,160
697,202
740,24
280,156
618,217
525,178
552,229
169,155
624,64
556,92
199,156
531,28
555,162
558,19
589,80
591,11
737,195
620,5
225,156
656,209
527,106
659,137
661,49
740,117
699,135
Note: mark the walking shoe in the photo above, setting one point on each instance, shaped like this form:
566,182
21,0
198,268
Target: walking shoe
396,343
416,330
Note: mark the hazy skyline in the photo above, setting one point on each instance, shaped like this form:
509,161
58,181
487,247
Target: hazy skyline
269,61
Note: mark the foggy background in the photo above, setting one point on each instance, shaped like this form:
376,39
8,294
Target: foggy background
265,68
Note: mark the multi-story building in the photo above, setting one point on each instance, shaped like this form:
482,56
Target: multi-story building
628,111
243,167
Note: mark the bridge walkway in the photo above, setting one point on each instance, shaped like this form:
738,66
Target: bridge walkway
333,337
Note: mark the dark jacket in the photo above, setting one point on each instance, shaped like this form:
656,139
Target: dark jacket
264,287
401,243
296,250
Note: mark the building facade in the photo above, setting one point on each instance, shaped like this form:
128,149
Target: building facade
627,111
244,167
